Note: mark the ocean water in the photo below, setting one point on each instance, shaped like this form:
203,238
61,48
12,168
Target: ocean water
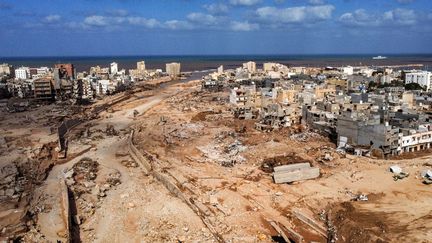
193,63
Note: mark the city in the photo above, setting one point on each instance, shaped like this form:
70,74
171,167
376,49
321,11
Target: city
216,121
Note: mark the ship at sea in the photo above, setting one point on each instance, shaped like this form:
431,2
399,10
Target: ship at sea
379,58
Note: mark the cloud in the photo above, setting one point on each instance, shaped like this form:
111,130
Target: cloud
96,20
50,19
104,21
201,18
244,2
362,18
303,14
140,21
216,8
178,25
243,26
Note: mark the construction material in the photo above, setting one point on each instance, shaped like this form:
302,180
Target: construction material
291,167
288,234
295,172
318,227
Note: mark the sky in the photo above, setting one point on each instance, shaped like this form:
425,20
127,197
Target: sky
221,27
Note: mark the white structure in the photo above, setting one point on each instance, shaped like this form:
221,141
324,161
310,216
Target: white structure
22,73
385,79
114,68
416,140
141,67
250,66
348,70
42,70
173,69
220,69
102,86
423,78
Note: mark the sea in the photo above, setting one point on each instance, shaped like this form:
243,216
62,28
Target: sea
207,62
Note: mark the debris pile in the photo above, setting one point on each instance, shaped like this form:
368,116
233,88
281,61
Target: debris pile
305,136
427,177
398,174
226,150
87,193
129,163
111,131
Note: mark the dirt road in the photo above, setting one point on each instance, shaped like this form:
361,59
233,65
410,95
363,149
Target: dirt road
139,208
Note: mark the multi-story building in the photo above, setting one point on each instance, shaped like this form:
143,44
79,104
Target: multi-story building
6,69
22,73
359,129
141,67
250,66
44,89
113,68
66,70
423,78
173,69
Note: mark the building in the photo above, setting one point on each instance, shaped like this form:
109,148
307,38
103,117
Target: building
269,66
113,68
66,70
44,89
6,69
358,129
413,140
173,69
250,66
141,67
348,70
220,69
423,78
22,73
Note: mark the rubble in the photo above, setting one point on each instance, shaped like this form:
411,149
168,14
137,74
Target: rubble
427,177
111,131
398,174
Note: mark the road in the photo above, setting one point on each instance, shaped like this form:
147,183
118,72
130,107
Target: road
133,210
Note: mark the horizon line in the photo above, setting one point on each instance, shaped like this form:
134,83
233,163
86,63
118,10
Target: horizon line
218,55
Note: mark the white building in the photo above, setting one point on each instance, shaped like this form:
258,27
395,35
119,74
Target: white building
42,70
114,68
423,78
385,79
348,70
220,70
22,73
173,69
250,66
103,86
416,140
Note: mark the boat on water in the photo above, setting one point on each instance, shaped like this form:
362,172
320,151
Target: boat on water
379,58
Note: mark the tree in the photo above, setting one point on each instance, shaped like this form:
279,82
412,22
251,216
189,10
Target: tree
413,86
